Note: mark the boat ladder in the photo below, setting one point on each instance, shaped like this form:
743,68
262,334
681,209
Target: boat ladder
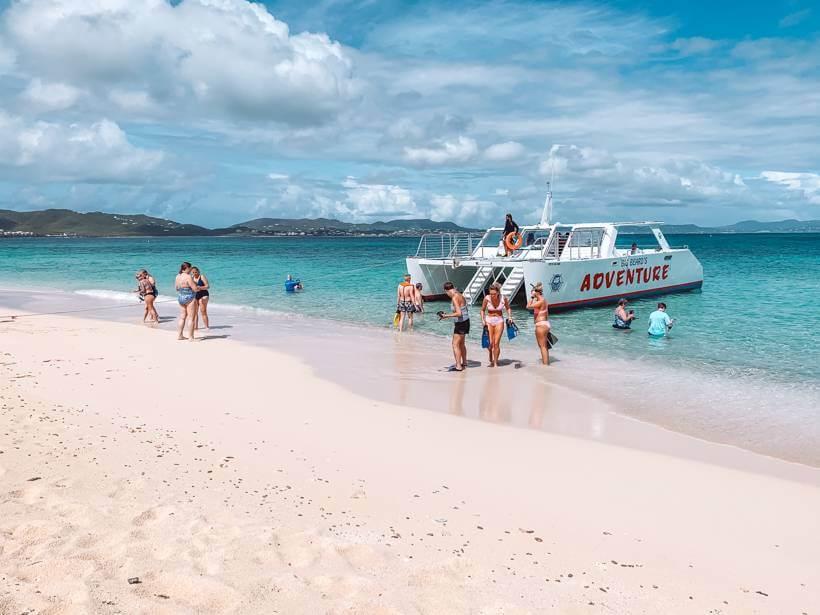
513,282
476,285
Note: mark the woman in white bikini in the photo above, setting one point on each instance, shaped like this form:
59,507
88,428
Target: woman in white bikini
540,311
492,310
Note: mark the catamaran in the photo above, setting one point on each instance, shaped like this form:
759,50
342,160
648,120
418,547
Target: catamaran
577,264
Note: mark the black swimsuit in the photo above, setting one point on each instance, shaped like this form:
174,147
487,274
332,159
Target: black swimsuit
201,293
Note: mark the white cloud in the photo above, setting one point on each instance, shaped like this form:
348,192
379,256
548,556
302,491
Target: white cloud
134,101
792,19
504,152
808,184
693,46
50,96
98,152
468,211
278,177
460,150
620,180
215,56
366,201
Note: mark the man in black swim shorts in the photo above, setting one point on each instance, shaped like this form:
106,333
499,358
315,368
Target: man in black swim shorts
461,327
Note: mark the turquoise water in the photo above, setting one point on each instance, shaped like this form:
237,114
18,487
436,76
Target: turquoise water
757,316
742,365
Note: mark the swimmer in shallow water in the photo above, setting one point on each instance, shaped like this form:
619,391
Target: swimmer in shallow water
659,322
623,318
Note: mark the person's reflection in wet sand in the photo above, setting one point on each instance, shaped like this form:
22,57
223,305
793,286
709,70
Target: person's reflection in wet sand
538,405
403,364
494,404
457,394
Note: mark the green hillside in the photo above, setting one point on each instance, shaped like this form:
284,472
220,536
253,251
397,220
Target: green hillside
95,224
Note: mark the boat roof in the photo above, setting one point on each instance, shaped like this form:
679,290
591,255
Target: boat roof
581,225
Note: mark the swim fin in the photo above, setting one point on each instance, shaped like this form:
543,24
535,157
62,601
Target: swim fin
396,319
512,330
485,337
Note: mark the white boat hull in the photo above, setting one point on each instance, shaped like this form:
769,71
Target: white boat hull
570,284
579,283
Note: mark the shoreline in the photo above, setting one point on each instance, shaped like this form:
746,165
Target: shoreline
240,481
410,370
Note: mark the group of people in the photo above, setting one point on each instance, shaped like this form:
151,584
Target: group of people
192,295
660,323
192,288
408,302
492,311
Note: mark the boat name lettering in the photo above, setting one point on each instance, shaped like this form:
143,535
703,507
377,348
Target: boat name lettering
624,277
634,261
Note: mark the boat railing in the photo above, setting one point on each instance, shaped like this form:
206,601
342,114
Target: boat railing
448,245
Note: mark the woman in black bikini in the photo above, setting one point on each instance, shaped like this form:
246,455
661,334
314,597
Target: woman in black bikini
202,296
148,293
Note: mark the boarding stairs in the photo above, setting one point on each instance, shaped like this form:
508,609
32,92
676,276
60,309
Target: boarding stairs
512,283
476,285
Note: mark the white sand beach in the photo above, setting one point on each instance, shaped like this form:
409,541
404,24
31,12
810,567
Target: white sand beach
224,478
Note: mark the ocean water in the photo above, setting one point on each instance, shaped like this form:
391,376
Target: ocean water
743,357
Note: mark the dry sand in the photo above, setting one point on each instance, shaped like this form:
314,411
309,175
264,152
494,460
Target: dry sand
230,479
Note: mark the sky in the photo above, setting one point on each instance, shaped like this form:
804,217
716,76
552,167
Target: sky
214,112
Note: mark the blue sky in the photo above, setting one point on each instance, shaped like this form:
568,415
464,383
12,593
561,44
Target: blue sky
218,111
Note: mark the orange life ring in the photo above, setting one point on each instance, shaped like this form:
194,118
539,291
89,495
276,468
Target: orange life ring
513,241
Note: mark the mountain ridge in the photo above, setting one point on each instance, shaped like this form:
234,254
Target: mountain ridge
65,222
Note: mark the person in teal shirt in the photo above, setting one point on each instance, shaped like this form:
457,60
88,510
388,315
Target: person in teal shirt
659,321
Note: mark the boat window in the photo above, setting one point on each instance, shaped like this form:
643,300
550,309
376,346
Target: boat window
586,238
536,239
642,238
492,239
584,243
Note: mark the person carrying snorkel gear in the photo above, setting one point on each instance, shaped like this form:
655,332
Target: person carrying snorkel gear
461,326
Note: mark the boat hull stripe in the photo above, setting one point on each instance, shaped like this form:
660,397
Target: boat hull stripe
637,293
606,299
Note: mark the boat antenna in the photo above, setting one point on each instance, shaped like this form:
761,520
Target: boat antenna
546,214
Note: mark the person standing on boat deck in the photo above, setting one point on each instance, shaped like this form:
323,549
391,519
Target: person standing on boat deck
418,299
492,310
540,312
659,322
461,327
202,297
634,248
405,302
510,227
186,297
623,319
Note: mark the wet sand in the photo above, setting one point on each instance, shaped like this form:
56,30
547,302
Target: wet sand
229,478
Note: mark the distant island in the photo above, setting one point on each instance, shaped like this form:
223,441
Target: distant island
67,223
